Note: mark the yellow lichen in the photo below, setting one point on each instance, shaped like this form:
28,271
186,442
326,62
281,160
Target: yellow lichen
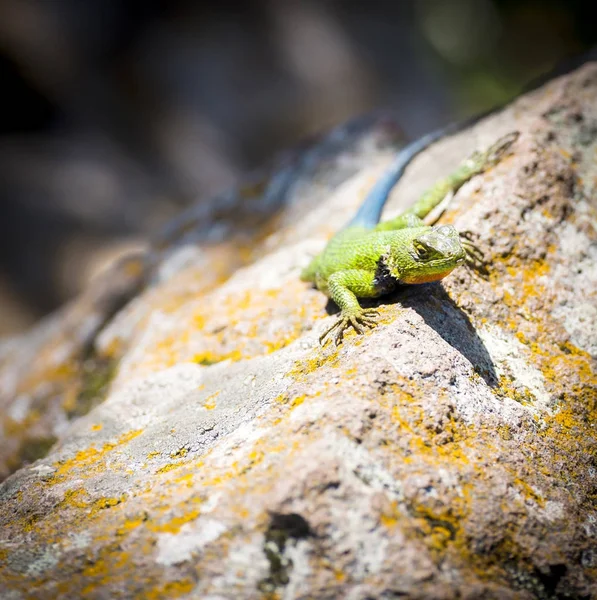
85,459
174,524
180,453
210,401
171,589
211,358
389,517
169,467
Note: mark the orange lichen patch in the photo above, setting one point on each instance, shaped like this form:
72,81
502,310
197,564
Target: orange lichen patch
88,459
440,527
531,271
529,276
199,321
565,368
305,366
521,395
390,516
565,418
210,401
169,467
212,358
339,576
233,326
131,524
187,479
174,524
29,438
180,453
74,498
98,572
108,502
441,521
296,401
410,416
171,589
528,492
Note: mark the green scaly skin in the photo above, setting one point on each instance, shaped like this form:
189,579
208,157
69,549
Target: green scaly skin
361,262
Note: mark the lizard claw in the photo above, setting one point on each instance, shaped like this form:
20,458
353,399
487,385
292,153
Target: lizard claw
474,255
499,149
481,161
360,322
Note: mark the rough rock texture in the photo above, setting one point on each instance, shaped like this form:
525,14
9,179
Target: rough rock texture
451,452
58,372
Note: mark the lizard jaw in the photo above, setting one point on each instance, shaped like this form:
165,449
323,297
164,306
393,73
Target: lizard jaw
427,277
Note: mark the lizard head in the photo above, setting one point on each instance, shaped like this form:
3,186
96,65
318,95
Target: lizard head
432,254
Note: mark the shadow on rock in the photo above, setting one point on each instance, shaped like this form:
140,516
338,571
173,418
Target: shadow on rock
441,313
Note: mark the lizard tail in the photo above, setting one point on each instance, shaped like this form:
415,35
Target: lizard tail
369,213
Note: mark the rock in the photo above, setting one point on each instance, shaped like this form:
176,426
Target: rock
59,371
448,453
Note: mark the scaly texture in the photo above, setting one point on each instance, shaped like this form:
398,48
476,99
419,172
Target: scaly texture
367,259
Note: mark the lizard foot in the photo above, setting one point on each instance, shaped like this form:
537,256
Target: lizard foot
495,153
481,161
360,322
474,256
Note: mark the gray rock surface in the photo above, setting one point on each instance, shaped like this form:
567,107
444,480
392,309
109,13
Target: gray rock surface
448,453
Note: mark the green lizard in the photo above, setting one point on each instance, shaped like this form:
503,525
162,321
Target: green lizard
368,259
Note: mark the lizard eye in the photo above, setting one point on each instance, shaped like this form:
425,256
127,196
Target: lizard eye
422,251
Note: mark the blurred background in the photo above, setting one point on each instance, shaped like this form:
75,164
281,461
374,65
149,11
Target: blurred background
116,114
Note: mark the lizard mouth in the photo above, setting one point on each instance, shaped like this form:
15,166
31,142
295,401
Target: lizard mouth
433,269
432,263
428,277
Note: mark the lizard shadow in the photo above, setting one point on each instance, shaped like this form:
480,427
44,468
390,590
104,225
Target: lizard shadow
442,314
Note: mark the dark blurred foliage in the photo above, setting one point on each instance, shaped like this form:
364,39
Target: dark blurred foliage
118,113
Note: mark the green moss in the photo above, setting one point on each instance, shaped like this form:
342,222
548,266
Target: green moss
34,449
96,375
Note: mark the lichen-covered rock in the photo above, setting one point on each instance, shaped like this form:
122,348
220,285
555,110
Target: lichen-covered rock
450,452
59,372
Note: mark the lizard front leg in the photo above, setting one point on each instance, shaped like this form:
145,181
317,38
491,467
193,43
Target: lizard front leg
343,288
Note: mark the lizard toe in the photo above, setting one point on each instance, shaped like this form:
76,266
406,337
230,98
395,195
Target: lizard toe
355,324
339,336
329,330
369,323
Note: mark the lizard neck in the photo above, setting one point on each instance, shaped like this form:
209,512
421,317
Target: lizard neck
384,281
